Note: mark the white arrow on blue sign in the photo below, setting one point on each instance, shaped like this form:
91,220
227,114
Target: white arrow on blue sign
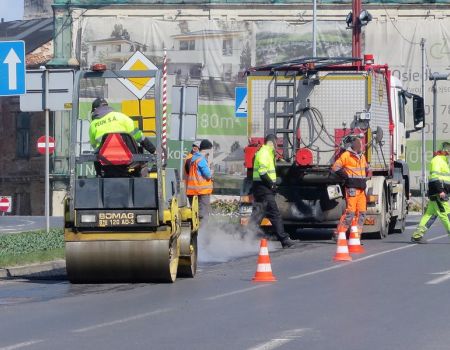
12,68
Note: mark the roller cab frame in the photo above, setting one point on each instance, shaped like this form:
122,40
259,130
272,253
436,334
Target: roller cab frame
129,227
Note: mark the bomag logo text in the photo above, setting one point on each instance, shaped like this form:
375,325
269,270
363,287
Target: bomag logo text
113,216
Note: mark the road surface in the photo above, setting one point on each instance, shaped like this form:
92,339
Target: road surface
14,224
393,297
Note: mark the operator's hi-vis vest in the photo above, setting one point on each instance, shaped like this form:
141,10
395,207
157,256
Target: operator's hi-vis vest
264,163
196,184
354,166
439,179
113,122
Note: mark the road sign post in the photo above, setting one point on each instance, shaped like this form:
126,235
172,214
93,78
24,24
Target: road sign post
47,90
12,68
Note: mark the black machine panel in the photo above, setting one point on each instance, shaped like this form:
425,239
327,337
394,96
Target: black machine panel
116,193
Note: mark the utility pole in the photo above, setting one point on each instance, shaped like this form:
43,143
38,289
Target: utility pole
423,177
314,28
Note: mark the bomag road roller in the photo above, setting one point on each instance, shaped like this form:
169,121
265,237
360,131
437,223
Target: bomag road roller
126,214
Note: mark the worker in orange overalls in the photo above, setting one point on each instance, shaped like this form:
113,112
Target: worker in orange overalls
352,166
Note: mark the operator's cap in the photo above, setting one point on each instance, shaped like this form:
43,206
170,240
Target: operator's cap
196,144
99,101
205,144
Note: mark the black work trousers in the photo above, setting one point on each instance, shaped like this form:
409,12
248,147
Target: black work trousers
264,205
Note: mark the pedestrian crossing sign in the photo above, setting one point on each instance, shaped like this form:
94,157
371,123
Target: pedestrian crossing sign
241,102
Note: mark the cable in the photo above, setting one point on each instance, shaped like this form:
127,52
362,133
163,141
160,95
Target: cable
398,31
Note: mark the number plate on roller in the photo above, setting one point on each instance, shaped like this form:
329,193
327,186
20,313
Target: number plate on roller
116,219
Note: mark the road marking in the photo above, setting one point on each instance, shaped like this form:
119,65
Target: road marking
445,277
22,345
361,259
285,337
239,291
120,321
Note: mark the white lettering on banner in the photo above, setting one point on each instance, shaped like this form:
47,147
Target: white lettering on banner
213,121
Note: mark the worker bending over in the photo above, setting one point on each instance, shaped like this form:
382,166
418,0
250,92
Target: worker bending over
438,189
199,180
352,167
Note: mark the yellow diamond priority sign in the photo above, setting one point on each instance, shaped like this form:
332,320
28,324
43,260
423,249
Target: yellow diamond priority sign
138,86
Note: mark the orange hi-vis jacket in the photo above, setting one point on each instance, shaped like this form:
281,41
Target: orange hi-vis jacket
353,168
196,183
187,164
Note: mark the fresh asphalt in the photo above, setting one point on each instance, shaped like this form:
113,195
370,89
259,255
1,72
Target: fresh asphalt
395,296
15,224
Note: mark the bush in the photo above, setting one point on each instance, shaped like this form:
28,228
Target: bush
30,242
225,207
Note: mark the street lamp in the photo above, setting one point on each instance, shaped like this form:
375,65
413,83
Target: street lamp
435,77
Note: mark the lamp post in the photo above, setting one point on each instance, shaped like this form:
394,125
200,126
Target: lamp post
435,77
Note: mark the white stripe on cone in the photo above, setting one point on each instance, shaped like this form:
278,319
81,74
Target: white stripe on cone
354,229
263,268
263,251
353,241
342,249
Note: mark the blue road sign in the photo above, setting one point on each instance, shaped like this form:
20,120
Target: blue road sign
240,102
12,68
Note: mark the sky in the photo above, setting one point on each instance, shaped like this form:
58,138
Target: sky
11,10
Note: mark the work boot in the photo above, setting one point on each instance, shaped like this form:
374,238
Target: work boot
288,243
418,240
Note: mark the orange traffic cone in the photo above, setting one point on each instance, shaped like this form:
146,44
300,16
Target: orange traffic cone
342,248
354,242
264,269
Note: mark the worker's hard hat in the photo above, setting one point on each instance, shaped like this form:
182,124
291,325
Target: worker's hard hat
99,101
205,144
196,144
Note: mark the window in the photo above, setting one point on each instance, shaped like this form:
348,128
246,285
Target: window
23,135
227,70
401,107
187,45
117,48
227,47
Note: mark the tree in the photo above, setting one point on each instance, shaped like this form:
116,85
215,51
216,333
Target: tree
246,57
120,33
235,146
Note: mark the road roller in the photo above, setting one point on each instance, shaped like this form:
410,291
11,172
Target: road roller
127,218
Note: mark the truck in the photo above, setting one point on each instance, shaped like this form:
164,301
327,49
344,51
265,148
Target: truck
312,105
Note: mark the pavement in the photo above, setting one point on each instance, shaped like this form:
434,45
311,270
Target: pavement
392,297
15,224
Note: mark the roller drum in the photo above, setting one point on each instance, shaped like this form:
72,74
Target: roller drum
122,261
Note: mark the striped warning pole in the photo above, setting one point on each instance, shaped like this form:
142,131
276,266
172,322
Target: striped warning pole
164,111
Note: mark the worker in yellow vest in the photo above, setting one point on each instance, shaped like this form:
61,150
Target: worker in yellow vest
264,189
438,190
106,121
